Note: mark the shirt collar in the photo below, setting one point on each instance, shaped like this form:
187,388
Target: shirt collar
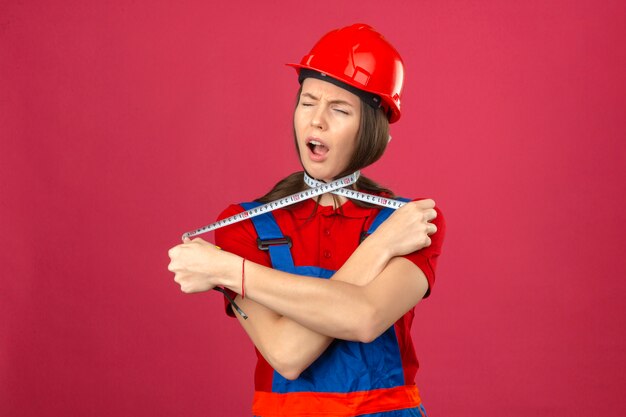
307,209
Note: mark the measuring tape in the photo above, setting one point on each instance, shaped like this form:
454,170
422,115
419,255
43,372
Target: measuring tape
357,195
317,188
323,188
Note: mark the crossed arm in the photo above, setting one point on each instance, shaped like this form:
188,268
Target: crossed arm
293,319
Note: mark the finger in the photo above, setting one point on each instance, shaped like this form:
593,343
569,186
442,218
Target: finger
432,229
430,214
427,203
186,239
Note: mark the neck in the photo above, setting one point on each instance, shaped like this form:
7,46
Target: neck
327,199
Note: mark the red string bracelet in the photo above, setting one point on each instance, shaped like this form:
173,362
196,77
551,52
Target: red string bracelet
243,277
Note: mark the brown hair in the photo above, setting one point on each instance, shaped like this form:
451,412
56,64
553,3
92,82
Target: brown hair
372,139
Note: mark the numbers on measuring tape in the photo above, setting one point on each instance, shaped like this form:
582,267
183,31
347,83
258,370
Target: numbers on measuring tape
317,188
357,195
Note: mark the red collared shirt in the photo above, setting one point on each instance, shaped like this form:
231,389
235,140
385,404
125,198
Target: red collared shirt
321,236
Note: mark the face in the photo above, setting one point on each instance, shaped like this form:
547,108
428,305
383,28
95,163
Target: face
326,122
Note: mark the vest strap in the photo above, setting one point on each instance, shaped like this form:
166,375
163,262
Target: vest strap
271,238
382,216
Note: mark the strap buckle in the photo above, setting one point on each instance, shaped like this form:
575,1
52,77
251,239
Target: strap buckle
265,244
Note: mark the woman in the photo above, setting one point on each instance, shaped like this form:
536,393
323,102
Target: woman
339,346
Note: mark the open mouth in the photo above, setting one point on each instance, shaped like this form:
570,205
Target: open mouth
318,148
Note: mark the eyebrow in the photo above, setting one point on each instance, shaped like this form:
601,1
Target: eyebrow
311,96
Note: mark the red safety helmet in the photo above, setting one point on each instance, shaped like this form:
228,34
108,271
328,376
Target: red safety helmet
360,57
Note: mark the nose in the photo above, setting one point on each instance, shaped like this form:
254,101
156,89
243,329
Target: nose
319,118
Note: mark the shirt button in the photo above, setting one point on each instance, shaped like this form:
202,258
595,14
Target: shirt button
327,232
326,254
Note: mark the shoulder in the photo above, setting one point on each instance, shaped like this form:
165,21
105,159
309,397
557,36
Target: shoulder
239,237
440,218
229,211
233,230
427,258
438,237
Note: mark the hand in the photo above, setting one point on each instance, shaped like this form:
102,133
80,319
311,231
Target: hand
195,263
408,229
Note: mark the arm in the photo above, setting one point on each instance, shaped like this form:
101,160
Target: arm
285,343
332,307
288,346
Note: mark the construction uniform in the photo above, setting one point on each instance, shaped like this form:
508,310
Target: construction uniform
349,379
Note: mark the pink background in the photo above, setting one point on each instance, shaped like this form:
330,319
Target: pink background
124,124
